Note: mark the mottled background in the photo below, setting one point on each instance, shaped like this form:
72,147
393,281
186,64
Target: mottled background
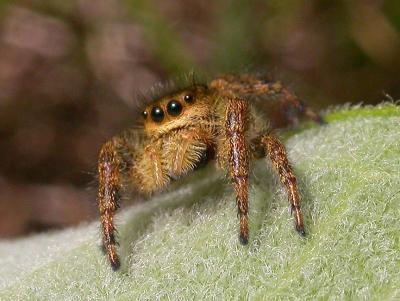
70,72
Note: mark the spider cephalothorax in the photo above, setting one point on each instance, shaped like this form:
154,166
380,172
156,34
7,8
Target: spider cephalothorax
224,120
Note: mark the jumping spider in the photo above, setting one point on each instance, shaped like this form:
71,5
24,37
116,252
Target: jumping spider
223,120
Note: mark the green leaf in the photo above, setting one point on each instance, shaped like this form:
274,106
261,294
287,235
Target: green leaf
183,244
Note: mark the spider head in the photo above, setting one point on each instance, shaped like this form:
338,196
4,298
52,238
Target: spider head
175,111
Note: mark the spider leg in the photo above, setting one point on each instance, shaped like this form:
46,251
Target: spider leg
293,107
277,153
238,159
277,99
110,182
126,158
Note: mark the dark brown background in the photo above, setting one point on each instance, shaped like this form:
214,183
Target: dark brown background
70,72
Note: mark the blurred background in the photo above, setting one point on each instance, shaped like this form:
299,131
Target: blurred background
70,72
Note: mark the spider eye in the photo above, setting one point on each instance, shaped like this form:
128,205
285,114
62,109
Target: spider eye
157,114
174,108
188,98
144,114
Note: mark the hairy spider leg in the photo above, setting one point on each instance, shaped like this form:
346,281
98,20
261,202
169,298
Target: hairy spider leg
277,153
110,182
238,158
290,100
150,167
247,85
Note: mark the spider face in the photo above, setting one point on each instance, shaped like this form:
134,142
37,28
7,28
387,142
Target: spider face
221,121
176,111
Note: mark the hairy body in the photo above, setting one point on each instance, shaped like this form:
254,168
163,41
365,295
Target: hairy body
225,121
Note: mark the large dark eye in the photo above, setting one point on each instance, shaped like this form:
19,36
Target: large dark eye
189,98
157,114
174,108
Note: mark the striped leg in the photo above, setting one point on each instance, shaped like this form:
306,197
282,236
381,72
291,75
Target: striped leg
108,196
238,157
277,153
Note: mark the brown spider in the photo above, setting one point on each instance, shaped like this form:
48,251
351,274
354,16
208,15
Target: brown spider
224,120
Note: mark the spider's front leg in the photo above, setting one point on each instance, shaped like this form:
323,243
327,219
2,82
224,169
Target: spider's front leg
277,153
125,158
110,182
238,159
